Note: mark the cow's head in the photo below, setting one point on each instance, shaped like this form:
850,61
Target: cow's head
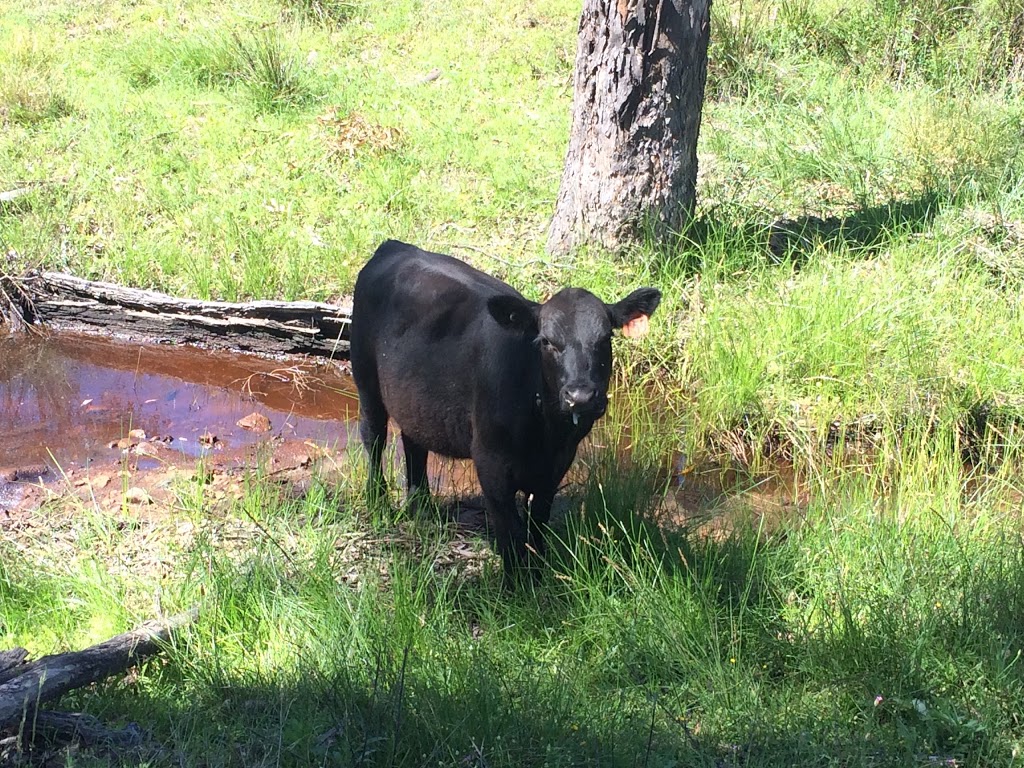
573,331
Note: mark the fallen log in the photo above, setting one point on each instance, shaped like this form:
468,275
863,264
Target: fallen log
11,661
83,729
65,302
51,677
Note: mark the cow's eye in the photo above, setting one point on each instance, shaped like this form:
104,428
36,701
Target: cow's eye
549,345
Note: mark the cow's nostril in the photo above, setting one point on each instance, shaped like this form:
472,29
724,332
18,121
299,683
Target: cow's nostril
578,396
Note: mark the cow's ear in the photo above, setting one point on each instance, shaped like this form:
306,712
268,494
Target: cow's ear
514,313
631,314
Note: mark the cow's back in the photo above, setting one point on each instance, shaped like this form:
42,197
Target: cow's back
422,337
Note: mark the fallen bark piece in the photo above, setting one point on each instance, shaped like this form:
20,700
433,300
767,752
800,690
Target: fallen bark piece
66,302
13,194
51,677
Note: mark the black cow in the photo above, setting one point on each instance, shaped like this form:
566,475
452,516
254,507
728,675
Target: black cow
467,367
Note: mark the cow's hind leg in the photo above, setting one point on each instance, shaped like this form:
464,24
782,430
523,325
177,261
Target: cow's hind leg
416,473
373,428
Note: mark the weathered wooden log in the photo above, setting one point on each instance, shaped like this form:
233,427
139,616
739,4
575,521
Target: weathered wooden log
51,677
82,729
65,302
11,661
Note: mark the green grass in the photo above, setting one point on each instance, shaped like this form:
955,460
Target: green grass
881,628
848,302
237,152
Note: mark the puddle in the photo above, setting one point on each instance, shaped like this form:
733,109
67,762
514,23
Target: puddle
66,400
716,499
70,405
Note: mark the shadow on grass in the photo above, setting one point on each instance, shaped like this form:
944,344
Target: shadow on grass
794,240
637,694
468,701
863,230
642,647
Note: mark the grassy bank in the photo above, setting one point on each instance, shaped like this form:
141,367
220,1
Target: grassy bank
879,627
861,220
853,280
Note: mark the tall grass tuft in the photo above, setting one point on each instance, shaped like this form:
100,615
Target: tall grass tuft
263,62
273,74
32,86
329,12
738,52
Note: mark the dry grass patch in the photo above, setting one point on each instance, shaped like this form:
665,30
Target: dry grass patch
352,134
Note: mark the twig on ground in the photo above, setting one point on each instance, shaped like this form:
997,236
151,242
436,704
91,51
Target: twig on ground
13,194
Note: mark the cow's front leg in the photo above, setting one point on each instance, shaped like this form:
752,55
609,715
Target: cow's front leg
500,497
538,515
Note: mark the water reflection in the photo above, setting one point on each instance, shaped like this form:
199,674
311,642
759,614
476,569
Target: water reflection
65,398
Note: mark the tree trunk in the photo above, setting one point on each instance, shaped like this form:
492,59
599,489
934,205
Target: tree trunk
631,166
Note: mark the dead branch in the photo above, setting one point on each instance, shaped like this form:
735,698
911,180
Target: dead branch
15,303
51,677
83,729
10,661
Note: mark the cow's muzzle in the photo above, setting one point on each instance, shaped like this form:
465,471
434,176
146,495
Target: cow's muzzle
582,401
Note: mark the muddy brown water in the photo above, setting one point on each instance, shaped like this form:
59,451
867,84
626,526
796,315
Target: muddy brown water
71,403
66,400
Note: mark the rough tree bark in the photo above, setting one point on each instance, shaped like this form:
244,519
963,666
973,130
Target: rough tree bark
641,66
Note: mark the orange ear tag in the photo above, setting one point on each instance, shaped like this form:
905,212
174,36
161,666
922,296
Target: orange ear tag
636,327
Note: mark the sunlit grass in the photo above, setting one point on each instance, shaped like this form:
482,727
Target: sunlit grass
231,155
848,301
